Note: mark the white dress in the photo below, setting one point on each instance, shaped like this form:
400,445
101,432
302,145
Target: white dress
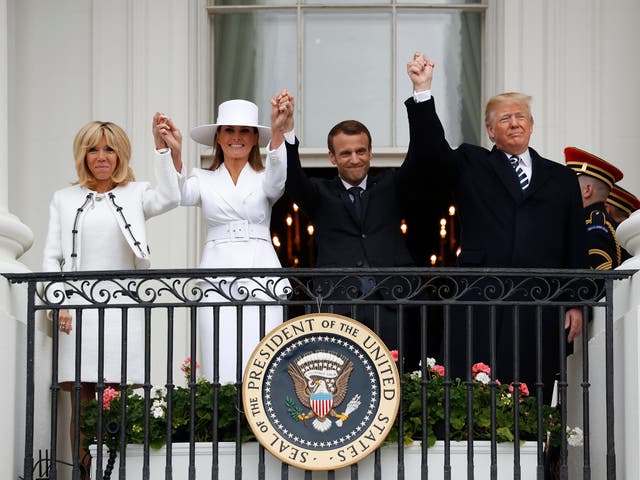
237,217
104,247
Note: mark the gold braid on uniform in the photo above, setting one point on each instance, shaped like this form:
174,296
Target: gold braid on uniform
613,234
608,263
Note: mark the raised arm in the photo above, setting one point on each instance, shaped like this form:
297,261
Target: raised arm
420,71
167,135
282,110
429,155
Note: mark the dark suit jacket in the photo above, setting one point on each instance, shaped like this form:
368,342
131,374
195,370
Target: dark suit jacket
344,240
503,226
341,238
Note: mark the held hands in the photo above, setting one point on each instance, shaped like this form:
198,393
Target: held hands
167,135
420,70
282,109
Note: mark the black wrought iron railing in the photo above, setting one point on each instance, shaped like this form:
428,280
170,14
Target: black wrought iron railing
451,315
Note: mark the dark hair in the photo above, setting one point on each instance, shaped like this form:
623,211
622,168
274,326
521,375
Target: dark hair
255,160
348,127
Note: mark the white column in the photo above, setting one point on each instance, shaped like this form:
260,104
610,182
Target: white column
15,237
628,235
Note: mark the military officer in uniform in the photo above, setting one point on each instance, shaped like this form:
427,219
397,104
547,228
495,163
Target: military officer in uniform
620,205
596,177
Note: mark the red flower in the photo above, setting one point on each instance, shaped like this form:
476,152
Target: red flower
394,355
524,390
480,367
108,395
438,370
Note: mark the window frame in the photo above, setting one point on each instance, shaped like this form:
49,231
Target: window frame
314,157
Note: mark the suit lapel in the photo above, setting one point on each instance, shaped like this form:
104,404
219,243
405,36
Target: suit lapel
346,200
540,173
505,173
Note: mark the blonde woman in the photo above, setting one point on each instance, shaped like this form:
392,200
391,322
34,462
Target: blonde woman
98,223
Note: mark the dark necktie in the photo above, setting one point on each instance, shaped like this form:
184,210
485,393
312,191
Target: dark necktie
356,193
522,177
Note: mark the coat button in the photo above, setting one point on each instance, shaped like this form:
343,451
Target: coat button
364,235
359,263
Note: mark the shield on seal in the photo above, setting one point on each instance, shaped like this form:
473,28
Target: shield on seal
321,403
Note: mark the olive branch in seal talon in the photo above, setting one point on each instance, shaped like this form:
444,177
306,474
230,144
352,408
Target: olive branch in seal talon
294,410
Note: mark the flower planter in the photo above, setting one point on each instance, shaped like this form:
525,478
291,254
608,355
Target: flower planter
412,462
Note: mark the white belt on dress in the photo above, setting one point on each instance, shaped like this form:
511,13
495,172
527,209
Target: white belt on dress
238,231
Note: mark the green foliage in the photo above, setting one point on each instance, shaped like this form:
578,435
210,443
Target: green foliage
202,421
229,403
412,421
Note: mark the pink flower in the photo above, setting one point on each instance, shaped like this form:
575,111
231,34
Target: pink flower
394,355
524,390
108,395
186,365
438,370
480,368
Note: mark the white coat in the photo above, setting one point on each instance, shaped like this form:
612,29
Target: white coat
121,213
238,218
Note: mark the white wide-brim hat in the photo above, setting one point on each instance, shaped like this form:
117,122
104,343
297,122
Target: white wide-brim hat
232,112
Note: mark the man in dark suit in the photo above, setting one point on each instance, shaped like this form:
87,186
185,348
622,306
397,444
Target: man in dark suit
357,215
516,209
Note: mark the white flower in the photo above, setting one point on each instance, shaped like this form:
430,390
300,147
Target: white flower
431,362
158,407
159,392
416,375
575,437
482,377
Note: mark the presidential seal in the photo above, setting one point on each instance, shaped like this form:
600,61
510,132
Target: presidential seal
321,392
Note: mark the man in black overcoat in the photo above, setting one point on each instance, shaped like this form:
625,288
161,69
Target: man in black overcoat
517,209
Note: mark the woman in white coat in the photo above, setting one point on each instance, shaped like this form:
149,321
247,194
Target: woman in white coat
236,195
98,223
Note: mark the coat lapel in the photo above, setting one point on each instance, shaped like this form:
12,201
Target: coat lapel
346,200
505,173
232,194
540,173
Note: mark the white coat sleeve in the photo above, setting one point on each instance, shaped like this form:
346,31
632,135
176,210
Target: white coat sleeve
53,257
166,194
275,173
190,189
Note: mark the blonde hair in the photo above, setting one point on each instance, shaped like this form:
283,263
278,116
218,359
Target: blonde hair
503,98
255,160
88,137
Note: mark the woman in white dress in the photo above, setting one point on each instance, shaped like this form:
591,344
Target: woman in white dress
98,223
236,195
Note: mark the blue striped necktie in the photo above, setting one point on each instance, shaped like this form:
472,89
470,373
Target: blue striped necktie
522,177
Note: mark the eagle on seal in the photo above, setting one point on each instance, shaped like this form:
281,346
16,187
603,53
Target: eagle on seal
321,380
